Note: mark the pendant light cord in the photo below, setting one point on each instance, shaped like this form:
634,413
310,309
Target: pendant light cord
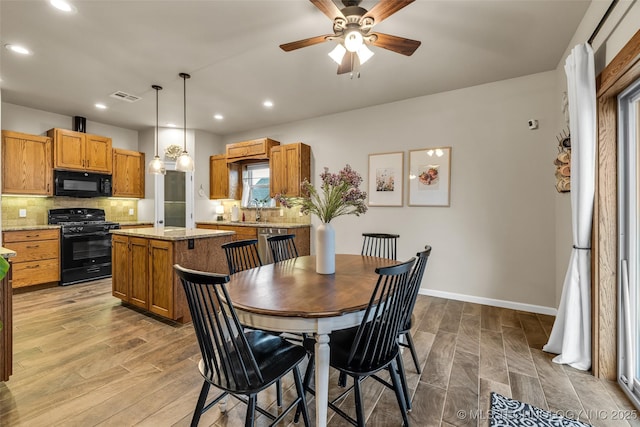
157,89
185,76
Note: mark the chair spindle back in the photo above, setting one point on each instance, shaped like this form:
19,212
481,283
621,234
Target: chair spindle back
376,340
242,255
380,245
283,247
228,359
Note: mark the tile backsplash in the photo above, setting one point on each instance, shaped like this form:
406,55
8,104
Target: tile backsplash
37,208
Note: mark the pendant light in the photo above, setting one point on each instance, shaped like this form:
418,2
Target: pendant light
156,166
184,163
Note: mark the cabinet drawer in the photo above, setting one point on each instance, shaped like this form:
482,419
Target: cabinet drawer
29,235
35,272
36,250
242,233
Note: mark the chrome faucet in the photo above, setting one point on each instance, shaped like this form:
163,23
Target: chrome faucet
258,205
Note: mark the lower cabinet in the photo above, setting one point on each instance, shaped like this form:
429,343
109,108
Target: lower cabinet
142,274
38,256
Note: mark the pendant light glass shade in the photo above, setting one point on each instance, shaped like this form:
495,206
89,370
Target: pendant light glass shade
184,163
156,166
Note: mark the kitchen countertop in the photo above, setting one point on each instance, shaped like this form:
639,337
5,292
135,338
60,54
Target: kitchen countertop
140,223
256,224
172,233
7,253
29,227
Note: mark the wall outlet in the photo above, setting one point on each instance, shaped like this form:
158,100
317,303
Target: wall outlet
281,212
22,213
131,211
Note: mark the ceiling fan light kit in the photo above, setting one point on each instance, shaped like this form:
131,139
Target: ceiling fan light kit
352,31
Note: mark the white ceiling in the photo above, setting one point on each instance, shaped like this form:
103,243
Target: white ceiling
230,48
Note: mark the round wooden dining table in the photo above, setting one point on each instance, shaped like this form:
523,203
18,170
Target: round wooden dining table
291,297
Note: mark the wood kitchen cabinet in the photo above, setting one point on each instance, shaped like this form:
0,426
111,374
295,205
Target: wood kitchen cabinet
38,256
6,320
142,268
142,273
224,178
27,164
81,151
128,173
257,149
289,165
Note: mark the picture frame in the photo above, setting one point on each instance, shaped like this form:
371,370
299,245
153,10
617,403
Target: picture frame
430,177
386,176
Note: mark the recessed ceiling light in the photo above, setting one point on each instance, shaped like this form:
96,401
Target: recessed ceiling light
63,5
171,125
18,49
101,106
268,104
218,116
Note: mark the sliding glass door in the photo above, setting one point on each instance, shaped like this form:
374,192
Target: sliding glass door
629,238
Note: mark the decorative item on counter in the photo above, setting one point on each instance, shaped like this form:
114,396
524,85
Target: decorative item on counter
235,214
220,212
563,163
242,216
340,195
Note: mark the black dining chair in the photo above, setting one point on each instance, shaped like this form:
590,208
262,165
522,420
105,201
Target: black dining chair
365,350
242,255
239,362
380,245
282,247
415,280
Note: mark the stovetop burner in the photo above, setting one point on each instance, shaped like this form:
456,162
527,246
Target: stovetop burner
80,219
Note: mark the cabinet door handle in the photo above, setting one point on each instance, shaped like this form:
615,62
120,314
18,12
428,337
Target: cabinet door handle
33,246
33,266
33,235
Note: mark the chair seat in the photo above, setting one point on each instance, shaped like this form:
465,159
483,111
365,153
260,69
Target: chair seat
341,342
274,357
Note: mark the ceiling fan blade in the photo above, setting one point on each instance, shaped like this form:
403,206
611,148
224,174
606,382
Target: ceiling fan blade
329,8
287,47
396,44
385,8
347,63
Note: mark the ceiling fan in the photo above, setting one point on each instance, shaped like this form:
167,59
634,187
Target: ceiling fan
352,30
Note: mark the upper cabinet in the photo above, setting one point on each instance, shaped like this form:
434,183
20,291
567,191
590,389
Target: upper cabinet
81,151
257,149
128,173
224,178
26,164
289,165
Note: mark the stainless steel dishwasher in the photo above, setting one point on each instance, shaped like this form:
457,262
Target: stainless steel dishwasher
263,246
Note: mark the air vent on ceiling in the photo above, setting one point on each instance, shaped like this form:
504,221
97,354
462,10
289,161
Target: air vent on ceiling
124,96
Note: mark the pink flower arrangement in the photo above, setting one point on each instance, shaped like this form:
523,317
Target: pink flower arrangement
339,195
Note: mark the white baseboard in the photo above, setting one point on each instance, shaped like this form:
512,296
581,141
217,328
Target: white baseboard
490,301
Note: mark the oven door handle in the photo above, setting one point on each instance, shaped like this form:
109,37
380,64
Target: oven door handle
78,236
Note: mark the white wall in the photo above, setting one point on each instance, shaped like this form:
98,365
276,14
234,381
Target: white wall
38,122
496,241
200,146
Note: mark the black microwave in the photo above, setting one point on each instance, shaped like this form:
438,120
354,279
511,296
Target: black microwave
81,184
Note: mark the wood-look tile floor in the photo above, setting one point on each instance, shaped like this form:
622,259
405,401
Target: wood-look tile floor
83,359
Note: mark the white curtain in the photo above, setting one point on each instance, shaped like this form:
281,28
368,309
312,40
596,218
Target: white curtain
571,334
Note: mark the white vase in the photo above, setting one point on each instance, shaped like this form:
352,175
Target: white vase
325,249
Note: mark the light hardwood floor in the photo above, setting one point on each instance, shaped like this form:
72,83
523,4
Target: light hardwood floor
83,359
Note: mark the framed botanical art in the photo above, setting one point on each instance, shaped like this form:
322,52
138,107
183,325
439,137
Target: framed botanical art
385,179
430,176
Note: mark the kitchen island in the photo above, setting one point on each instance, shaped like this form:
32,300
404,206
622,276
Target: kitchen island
142,265
6,320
